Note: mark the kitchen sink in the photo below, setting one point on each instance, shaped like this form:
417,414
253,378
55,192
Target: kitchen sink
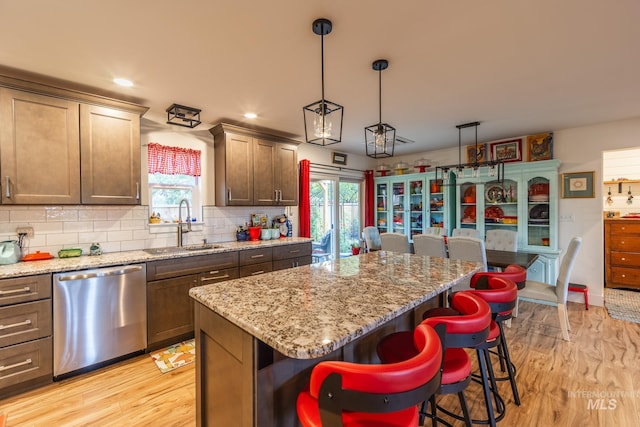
182,249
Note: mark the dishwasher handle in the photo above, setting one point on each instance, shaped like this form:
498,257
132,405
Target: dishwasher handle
118,271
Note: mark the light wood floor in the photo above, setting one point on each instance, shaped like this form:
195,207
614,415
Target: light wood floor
556,379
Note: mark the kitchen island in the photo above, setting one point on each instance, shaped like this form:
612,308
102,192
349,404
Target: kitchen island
258,338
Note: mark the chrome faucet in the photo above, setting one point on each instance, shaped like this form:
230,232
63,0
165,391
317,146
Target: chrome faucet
181,230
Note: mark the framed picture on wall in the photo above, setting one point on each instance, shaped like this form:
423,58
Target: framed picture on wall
338,158
577,185
540,147
479,155
507,151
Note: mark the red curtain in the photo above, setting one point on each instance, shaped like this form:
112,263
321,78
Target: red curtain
368,198
173,160
304,205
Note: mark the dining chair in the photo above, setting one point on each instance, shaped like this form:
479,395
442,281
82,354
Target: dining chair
467,249
436,231
555,295
501,240
429,245
353,394
465,232
371,237
395,242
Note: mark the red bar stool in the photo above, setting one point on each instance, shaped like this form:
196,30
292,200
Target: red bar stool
501,294
468,329
352,394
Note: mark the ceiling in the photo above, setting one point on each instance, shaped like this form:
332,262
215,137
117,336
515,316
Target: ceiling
517,66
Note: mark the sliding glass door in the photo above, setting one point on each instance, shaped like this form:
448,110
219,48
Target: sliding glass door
336,216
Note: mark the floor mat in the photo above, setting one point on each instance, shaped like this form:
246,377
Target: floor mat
622,305
175,356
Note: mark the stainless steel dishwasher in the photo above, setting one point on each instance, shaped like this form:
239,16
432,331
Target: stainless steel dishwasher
99,316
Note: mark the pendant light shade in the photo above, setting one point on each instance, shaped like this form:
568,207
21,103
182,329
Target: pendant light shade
323,118
380,138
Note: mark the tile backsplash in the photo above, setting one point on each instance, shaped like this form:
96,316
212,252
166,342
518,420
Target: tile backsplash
118,228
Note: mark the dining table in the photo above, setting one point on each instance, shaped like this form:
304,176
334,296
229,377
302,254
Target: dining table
502,259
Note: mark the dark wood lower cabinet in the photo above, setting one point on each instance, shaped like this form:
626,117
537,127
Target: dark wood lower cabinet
169,311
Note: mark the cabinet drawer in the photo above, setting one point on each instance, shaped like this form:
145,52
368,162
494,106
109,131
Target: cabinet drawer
625,276
254,269
189,265
625,259
25,322
625,244
23,289
291,251
283,264
255,256
25,362
625,229
215,276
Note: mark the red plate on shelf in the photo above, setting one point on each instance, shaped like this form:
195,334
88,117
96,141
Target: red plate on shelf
37,256
470,212
493,212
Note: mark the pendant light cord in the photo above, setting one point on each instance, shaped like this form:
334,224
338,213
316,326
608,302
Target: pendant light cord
379,97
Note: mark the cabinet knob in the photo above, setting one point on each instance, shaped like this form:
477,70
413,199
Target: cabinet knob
624,275
624,259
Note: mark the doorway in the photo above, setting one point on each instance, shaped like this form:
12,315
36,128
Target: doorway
336,216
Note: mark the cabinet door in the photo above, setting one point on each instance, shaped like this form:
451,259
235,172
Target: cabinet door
469,210
382,205
264,172
238,170
540,213
417,206
110,147
39,149
169,310
399,212
287,174
275,173
501,205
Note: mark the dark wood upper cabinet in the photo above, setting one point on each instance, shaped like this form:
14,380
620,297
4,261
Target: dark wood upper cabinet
39,149
61,145
254,168
110,156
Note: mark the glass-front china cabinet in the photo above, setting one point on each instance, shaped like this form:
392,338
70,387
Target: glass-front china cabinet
525,200
408,204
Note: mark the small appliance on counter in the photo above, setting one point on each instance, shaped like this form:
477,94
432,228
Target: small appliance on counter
10,252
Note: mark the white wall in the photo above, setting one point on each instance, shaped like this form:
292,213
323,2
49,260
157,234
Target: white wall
618,165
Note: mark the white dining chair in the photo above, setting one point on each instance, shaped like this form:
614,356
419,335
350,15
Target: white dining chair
467,249
436,231
429,245
545,293
465,232
395,242
371,237
501,240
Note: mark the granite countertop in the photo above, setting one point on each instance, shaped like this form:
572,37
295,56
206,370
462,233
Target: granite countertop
85,262
310,311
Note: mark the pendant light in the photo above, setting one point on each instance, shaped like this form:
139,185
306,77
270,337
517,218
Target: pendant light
323,118
380,138
495,167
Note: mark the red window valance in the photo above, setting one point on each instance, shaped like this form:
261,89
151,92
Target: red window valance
173,160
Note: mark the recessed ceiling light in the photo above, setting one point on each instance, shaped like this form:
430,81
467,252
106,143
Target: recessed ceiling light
123,82
250,115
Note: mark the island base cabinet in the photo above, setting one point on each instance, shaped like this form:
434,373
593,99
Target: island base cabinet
238,375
